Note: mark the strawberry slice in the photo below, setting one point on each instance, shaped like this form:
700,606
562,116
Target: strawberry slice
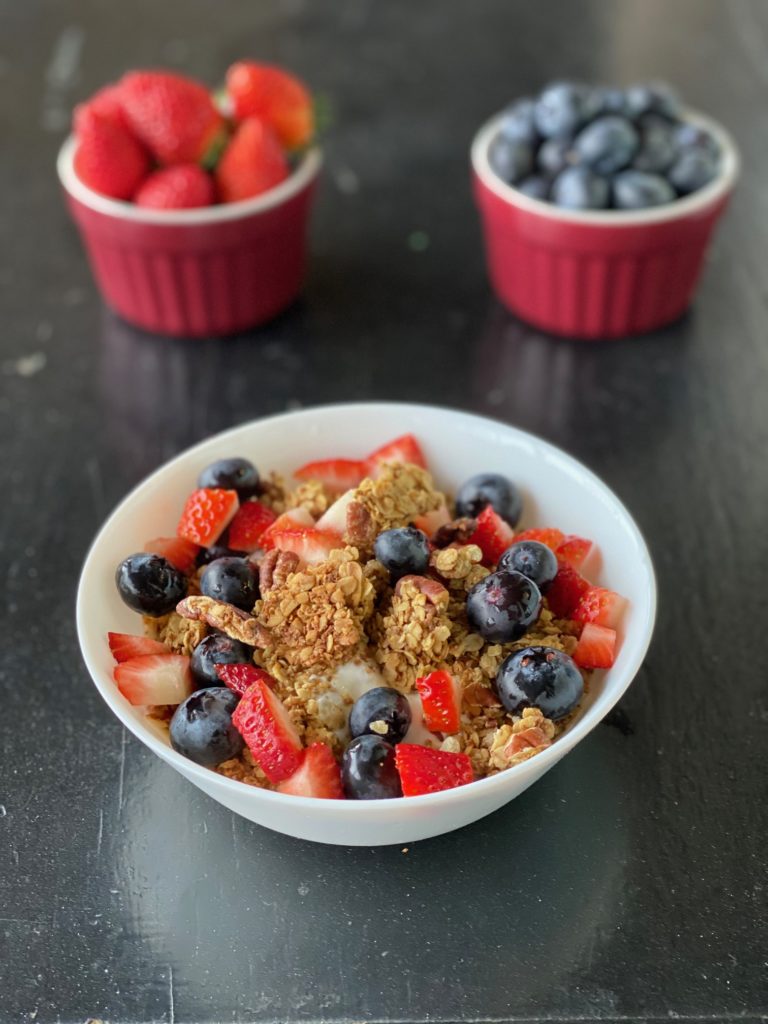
440,701
207,514
573,550
601,606
596,647
433,590
179,551
240,676
550,536
564,592
424,770
318,775
248,525
155,679
265,725
402,449
311,545
334,519
492,535
293,519
124,646
431,522
533,737
335,474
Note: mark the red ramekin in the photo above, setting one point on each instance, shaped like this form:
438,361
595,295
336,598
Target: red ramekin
195,273
596,274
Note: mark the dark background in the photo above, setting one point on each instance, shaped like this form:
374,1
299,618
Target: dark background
629,884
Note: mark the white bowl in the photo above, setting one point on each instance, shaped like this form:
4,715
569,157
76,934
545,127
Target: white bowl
558,491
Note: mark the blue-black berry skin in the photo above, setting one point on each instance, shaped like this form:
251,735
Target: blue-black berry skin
511,159
607,144
561,109
636,190
519,121
692,170
653,98
368,770
533,559
232,475
578,188
403,551
535,186
233,580
149,584
503,606
554,156
540,677
202,730
658,148
490,489
217,649
383,712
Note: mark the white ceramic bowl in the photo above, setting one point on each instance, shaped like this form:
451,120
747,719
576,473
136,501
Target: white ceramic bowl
558,492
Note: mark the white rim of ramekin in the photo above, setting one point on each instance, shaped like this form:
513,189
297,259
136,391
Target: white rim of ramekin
694,203
308,168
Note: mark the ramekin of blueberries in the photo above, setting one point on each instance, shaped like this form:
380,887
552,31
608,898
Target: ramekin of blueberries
636,180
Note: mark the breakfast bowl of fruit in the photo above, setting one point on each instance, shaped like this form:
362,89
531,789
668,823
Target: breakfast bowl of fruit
598,205
366,624
194,208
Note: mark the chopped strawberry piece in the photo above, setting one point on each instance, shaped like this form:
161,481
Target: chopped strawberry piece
239,677
311,545
334,519
207,514
525,740
179,551
492,535
293,519
553,538
265,725
564,592
424,770
440,701
596,647
601,606
573,550
318,775
433,590
402,449
431,522
124,646
335,474
248,525
155,679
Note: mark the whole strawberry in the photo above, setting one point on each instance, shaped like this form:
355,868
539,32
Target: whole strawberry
252,163
173,116
106,103
280,99
108,159
176,188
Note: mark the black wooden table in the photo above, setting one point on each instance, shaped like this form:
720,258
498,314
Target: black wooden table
630,883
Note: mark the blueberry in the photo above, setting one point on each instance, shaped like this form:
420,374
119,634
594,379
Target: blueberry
578,188
561,109
503,606
382,712
540,677
511,159
693,169
232,580
554,156
217,649
653,98
220,549
636,190
518,121
403,551
201,728
658,148
150,584
607,144
489,489
535,186
233,475
532,559
368,770
690,136
610,100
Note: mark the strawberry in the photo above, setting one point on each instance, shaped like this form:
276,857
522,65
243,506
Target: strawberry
239,677
179,551
294,518
440,701
564,592
601,606
105,103
259,90
108,159
181,187
525,740
402,449
124,646
334,519
310,544
573,550
172,115
318,775
424,770
431,522
335,474
207,514
252,163
492,535
267,728
155,679
250,522
596,647
551,537
433,590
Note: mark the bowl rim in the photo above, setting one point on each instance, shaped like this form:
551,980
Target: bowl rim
306,171
364,809
692,204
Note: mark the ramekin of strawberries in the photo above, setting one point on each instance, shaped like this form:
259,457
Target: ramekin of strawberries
193,206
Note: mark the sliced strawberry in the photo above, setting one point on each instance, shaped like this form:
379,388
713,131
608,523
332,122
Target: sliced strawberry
440,701
433,590
309,544
334,519
564,592
207,514
402,449
155,679
551,537
601,606
178,550
293,519
573,550
318,775
424,770
431,522
239,677
248,526
492,535
335,474
265,725
528,738
124,646
596,647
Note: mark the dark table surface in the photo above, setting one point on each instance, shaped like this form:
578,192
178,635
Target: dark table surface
629,884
